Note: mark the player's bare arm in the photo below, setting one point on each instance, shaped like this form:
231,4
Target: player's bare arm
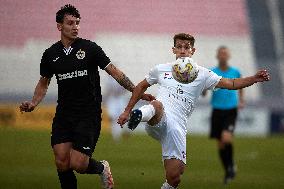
124,81
239,83
241,99
120,77
136,95
39,94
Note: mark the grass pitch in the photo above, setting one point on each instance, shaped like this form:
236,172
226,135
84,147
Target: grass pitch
26,161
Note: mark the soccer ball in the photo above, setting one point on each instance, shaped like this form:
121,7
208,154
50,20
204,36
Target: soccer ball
185,70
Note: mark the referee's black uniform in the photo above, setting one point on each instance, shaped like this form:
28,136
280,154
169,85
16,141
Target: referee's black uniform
78,113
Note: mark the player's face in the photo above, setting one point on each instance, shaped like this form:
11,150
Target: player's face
70,27
223,56
183,48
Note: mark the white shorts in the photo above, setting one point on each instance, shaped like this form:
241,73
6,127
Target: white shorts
172,137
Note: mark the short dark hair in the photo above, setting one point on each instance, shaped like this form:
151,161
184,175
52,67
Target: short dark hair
222,47
184,36
67,10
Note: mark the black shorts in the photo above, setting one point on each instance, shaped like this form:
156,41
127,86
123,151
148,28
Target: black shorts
82,133
222,120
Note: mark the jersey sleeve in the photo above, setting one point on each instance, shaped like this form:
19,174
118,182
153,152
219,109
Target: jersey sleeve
45,70
212,79
153,76
100,58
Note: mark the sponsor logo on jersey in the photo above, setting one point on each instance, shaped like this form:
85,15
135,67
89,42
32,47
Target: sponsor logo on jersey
168,76
179,97
72,75
80,54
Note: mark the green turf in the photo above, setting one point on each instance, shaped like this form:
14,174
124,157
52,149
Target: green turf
26,162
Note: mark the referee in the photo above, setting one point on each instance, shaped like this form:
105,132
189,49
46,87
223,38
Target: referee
77,123
225,104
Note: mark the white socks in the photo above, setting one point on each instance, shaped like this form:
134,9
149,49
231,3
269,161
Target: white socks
148,111
167,186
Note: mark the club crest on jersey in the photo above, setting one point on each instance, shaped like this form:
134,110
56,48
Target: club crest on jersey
80,54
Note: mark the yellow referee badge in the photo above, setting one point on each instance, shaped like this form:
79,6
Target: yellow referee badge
80,54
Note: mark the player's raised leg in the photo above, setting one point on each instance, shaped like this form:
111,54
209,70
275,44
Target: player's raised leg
151,113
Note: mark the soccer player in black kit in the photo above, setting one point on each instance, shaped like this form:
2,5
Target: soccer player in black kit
77,122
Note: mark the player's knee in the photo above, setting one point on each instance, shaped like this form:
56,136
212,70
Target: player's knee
226,137
157,105
62,162
158,112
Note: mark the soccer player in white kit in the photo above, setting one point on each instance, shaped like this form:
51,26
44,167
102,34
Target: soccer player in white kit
167,116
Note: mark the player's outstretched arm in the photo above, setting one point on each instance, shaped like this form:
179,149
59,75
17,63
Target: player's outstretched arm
136,95
39,94
120,77
239,83
124,81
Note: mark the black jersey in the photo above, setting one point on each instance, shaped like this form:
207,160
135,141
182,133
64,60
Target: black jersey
76,71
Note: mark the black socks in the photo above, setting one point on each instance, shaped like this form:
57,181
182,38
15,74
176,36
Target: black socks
229,149
226,156
223,157
94,167
67,179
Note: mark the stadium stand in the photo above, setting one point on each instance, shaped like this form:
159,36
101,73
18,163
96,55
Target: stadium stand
138,35
122,24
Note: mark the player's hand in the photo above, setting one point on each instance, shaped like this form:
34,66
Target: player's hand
123,118
27,106
148,97
261,76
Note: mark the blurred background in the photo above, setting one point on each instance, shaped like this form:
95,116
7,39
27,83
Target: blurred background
137,35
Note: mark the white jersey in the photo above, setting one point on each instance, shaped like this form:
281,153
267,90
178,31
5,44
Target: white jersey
179,99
